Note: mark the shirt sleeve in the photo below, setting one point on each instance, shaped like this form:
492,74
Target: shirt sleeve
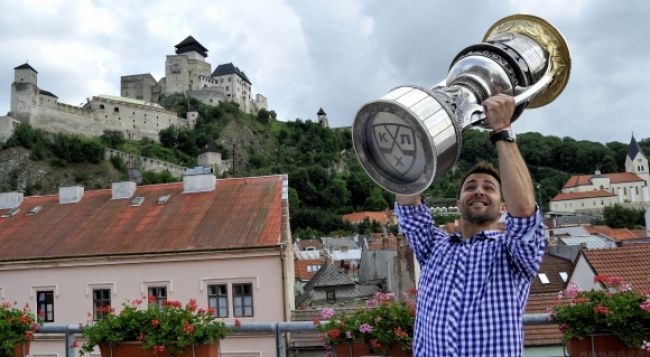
525,243
417,225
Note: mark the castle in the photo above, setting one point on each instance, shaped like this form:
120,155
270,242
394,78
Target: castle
136,112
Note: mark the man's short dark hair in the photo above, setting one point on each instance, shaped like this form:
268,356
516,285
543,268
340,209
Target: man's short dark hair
481,168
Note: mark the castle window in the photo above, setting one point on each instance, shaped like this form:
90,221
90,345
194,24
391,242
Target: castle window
133,113
116,110
101,106
637,190
229,79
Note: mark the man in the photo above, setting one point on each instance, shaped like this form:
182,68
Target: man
474,285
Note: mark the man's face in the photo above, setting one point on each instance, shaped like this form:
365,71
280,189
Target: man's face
480,199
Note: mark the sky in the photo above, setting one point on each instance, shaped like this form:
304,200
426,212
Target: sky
334,54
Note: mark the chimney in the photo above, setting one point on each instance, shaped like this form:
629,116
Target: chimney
71,194
199,183
10,199
123,189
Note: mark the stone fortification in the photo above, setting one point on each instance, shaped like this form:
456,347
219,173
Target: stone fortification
41,109
146,163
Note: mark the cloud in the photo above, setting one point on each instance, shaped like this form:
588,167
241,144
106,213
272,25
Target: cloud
333,54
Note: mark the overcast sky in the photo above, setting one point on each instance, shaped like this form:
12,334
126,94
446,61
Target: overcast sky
334,54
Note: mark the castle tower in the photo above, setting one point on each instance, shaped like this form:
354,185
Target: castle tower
184,70
636,161
24,92
322,118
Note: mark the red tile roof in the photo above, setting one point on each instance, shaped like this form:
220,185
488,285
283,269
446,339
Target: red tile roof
239,213
541,335
301,269
380,216
628,262
580,195
304,243
618,234
551,266
616,177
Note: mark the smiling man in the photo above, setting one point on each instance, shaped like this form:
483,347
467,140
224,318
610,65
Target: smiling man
474,285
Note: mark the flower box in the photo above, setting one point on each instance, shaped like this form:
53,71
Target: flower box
134,349
604,345
21,349
361,349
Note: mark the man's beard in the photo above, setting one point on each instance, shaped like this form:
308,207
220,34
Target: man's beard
490,215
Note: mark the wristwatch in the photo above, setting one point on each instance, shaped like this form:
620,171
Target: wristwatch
505,134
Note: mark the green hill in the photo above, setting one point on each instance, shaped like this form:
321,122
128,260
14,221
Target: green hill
325,179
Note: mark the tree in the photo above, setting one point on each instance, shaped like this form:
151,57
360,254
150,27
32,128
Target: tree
618,216
112,138
376,201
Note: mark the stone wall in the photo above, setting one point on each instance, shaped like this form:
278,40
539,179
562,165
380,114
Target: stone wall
135,120
146,163
7,127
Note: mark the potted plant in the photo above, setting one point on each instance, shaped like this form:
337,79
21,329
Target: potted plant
17,328
172,329
384,327
617,318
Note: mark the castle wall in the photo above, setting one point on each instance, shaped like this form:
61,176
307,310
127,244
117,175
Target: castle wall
139,86
182,73
7,127
136,121
147,164
210,95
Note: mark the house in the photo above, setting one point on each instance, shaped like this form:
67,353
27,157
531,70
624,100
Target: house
388,260
223,242
628,262
591,193
546,340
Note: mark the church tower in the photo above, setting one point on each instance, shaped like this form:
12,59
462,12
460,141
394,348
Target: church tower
322,118
24,92
636,162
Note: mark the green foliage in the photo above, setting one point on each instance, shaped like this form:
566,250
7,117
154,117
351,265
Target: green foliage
169,328
376,201
385,322
27,137
118,164
17,326
76,148
618,310
151,177
112,138
617,216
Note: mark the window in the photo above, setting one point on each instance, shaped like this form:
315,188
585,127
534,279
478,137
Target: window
543,278
218,299
242,300
101,106
331,295
158,294
101,303
45,305
116,110
564,275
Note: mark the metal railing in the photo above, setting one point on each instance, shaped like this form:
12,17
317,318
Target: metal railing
277,328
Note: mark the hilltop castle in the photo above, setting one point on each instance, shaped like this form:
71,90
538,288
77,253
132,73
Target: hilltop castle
136,112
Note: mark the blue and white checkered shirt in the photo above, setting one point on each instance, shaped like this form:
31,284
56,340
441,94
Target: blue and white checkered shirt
472,293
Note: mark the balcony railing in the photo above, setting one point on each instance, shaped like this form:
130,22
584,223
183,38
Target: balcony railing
277,328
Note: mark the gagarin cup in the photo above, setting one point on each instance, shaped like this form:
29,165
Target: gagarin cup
413,135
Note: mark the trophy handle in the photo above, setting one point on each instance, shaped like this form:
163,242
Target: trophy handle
523,94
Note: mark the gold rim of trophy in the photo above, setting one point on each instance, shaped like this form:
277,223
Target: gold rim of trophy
551,40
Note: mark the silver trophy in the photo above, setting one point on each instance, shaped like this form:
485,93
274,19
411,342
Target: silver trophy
413,135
